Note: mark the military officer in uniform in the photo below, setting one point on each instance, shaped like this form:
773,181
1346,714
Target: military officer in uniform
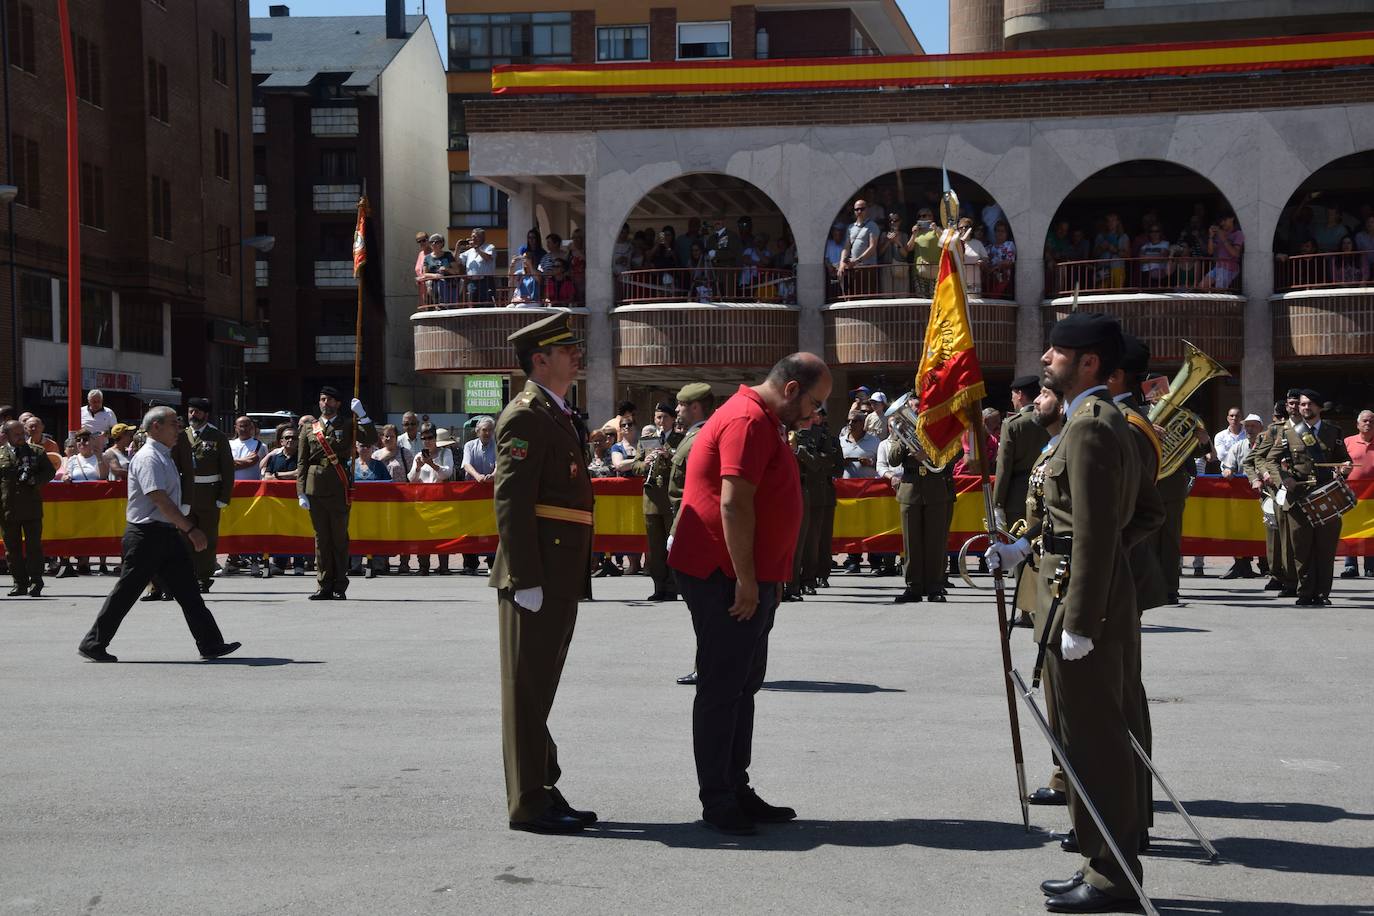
792,590
1282,570
695,404
206,463
24,468
818,451
1022,441
1173,491
324,482
1294,459
654,465
925,495
543,501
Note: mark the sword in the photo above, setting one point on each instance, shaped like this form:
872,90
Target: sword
1061,572
1212,854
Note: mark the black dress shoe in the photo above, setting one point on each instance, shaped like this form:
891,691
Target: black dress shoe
1084,898
221,650
688,680
1171,598
340,596
1024,621
806,590
1047,796
36,589
1350,573
18,591
1326,602
154,595
95,654
560,805
206,585
1288,592
937,597
1055,888
323,594
1232,573
1068,842
823,583
908,596
1308,602
729,821
759,810
1273,585
550,821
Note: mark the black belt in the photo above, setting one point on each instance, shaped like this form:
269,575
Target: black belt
1058,544
154,525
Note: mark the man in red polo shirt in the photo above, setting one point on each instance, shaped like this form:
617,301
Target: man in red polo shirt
731,553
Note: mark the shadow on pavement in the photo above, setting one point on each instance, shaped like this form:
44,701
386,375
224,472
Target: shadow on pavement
828,687
1292,812
1148,628
1297,857
1260,908
247,662
805,835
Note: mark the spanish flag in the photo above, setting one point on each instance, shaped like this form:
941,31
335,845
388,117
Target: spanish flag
949,379
360,238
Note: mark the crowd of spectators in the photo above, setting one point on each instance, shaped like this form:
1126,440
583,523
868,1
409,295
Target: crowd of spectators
709,261
1321,242
540,273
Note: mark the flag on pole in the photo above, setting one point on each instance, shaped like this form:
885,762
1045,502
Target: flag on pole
949,378
360,238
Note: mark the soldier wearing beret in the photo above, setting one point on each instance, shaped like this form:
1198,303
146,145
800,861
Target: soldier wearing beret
818,450
24,468
205,459
543,500
654,464
324,482
695,404
925,495
1021,443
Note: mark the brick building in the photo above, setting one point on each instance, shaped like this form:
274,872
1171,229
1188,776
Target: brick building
163,124
342,104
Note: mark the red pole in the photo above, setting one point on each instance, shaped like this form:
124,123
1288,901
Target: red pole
74,398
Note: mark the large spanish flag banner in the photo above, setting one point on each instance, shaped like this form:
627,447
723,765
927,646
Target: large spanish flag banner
949,378
1221,519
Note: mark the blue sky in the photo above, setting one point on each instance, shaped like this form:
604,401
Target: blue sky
929,18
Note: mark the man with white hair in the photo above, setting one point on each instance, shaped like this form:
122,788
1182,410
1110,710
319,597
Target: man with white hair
97,418
152,547
1233,463
479,465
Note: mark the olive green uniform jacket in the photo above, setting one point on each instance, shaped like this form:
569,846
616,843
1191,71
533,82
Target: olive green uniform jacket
1017,452
23,502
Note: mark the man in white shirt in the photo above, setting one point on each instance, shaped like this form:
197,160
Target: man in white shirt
860,450
479,264
1234,432
432,465
410,435
248,450
97,418
1233,464
479,465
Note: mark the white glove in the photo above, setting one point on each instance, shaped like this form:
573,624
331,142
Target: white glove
1073,647
670,543
999,518
220,505
1006,556
358,408
185,508
304,501
531,599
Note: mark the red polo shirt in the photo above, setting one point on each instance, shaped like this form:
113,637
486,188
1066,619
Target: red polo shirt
742,439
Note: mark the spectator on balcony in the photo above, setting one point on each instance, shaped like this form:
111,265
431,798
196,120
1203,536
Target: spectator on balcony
1080,249
577,265
1002,261
891,256
1058,247
524,290
860,251
725,247
661,256
682,244
745,225
558,287
1151,218
990,216
639,251
422,246
698,274
834,253
1155,263
1348,269
1225,242
877,213
1112,246
975,255
924,245
752,259
532,249
1188,251
1329,236
553,252
438,269
478,259
620,253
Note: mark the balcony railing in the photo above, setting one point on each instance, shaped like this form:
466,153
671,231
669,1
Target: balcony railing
1214,322
883,333
707,285
703,335
1168,274
473,339
916,281
1339,269
486,292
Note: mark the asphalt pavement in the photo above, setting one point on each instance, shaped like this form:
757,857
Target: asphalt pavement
347,759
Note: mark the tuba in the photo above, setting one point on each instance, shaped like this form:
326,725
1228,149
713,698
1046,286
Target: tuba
1179,422
901,418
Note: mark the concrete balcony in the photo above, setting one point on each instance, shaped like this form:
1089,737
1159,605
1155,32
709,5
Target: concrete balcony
871,332
1213,322
473,339
1323,324
703,335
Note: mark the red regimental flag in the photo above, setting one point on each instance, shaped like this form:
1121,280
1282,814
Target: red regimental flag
949,378
360,238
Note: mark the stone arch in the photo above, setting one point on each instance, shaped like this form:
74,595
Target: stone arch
1343,187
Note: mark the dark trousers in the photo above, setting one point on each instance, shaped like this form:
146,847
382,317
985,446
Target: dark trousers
925,531
1314,554
656,531
1170,541
732,658
148,551
205,513
799,553
331,545
24,550
818,536
534,647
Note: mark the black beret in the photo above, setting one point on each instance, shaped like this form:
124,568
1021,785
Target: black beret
1311,395
199,403
1026,383
1135,354
665,407
1293,393
1082,330
331,391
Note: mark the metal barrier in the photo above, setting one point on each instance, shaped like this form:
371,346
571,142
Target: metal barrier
483,292
1323,271
1168,273
707,285
915,281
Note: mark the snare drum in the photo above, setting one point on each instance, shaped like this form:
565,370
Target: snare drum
1327,503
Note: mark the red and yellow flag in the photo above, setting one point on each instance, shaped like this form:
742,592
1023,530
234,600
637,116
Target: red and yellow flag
949,378
360,238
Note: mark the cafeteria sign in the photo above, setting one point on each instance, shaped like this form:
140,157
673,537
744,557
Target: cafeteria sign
483,393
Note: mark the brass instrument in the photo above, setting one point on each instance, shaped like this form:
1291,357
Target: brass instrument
1180,424
901,419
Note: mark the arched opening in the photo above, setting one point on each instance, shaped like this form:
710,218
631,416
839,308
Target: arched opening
892,249
1325,234
706,238
1144,226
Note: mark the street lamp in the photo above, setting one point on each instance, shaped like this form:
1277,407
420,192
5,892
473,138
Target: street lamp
263,243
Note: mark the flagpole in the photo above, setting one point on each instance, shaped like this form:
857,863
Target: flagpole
359,263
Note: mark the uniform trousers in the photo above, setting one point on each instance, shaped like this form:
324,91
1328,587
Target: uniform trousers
1091,697
656,531
1170,541
925,530
159,550
205,513
1314,554
24,550
732,659
331,545
799,564
1283,565
819,533
534,646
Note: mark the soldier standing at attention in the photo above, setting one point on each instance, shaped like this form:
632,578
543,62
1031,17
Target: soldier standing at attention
24,468
324,479
925,495
695,404
1021,443
654,466
823,462
543,500
206,461
1282,569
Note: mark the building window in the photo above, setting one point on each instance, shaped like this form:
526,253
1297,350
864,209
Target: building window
221,154
336,241
480,41
97,316
457,122
622,42
472,203
338,163
337,121
35,306
19,19
219,58
92,196
259,119
27,172
88,87
703,40
160,206
140,327
224,251
157,91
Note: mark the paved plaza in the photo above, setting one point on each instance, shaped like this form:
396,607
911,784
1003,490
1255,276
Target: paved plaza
347,760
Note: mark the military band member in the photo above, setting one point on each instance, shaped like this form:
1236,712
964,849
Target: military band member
695,404
818,452
925,497
1294,459
205,459
543,499
1283,571
1020,446
1173,491
792,590
324,482
24,469
654,465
